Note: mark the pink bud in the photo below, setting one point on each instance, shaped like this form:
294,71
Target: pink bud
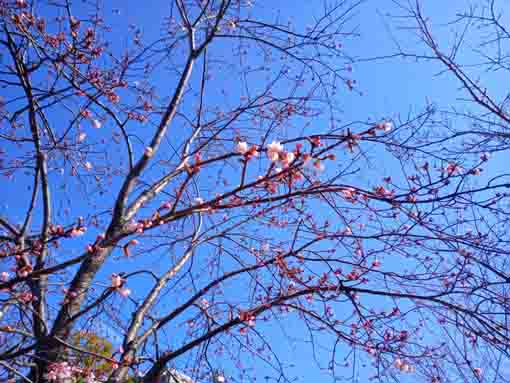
116,281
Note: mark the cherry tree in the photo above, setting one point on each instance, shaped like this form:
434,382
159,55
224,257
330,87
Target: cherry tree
196,189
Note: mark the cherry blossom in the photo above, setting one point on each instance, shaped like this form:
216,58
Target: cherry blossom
242,147
273,150
289,158
116,281
77,231
59,372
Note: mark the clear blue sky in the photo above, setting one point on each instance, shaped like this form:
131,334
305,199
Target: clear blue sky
391,88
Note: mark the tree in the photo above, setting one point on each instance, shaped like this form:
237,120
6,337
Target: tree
469,50
193,190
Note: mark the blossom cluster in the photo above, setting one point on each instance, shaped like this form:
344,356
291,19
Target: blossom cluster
64,372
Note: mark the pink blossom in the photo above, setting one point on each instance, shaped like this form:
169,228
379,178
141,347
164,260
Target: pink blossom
116,281
386,126
86,113
4,276
166,205
242,147
406,368
113,98
318,165
125,292
348,193
452,168
273,151
289,158
77,231
59,371
252,152
132,226
26,297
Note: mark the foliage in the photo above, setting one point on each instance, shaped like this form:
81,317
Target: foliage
192,198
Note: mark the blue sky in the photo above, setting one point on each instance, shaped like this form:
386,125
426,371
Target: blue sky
391,88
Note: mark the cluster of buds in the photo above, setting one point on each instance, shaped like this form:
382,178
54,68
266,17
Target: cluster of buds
248,152
381,191
247,317
452,168
276,152
113,97
140,226
403,366
23,271
61,371
96,245
26,297
385,126
350,195
353,275
137,117
64,372
76,232
56,230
